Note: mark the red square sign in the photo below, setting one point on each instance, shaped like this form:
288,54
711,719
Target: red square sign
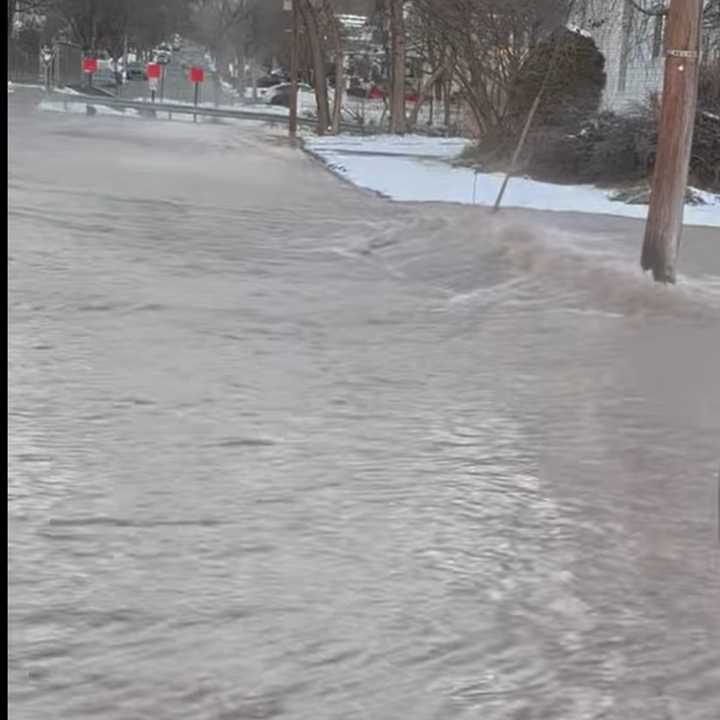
89,65
196,75
153,71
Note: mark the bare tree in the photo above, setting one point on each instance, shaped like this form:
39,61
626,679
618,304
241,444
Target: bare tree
335,32
309,12
491,41
24,7
398,42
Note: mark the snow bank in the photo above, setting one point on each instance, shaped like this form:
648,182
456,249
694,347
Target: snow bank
81,108
415,169
131,113
420,146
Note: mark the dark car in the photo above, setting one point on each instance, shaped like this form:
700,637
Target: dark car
281,96
136,71
357,88
269,81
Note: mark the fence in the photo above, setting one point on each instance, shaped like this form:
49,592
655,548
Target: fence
26,66
24,62
67,64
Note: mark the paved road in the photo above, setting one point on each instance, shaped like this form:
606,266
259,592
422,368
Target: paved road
177,85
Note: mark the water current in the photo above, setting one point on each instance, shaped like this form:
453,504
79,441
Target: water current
280,448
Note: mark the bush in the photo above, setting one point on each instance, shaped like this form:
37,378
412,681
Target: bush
608,149
572,71
705,162
611,149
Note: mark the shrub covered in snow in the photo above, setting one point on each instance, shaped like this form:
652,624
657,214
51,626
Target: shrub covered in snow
571,71
610,149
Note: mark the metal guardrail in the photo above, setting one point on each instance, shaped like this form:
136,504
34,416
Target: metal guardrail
171,109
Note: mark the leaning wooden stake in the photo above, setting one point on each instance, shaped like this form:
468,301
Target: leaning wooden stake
677,120
518,149
528,124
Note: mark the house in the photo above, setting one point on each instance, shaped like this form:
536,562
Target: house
633,44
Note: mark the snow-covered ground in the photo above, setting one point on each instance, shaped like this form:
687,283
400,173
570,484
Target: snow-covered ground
417,169
81,108
414,146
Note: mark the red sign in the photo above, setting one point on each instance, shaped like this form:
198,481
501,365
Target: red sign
153,71
89,65
197,75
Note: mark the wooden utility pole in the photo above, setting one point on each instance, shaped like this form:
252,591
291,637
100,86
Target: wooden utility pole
292,118
677,121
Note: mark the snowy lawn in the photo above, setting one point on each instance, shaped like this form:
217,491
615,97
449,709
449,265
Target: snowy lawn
416,169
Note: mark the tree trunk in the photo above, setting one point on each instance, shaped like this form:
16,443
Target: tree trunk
397,72
339,88
312,30
253,79
339,66
447,100
426,88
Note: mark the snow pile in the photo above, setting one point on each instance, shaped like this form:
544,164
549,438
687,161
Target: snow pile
418,146
416,169
81,108
579,31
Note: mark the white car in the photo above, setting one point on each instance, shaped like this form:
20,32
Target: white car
162,54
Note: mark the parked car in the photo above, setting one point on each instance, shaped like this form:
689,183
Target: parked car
376,93
106,74
269,81
357,88
135,71
281,94
162,54
265,87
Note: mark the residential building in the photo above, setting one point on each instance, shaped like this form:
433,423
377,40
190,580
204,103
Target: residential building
633,44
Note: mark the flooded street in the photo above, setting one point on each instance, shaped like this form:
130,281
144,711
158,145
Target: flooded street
279,448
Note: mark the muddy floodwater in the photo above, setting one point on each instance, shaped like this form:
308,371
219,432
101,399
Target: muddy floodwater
280,448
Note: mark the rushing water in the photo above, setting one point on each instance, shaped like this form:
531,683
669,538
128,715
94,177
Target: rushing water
281,448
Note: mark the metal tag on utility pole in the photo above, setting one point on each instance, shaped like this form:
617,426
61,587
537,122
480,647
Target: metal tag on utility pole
287,5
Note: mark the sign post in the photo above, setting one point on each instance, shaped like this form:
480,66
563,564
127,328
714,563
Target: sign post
197,76
89,66
154,72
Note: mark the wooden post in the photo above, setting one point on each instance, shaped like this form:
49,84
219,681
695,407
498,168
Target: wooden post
292,118
677,120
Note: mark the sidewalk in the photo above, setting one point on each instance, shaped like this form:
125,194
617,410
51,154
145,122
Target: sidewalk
415,168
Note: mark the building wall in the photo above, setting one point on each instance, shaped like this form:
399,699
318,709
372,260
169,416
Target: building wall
632,44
